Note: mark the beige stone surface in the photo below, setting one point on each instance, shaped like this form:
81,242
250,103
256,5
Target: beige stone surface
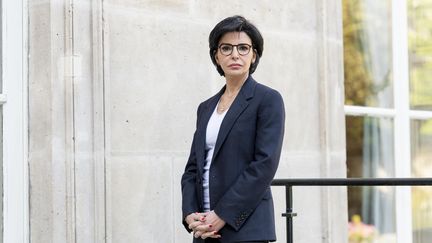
156,70
141,198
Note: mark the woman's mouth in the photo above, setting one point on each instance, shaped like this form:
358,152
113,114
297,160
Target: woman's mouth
235,65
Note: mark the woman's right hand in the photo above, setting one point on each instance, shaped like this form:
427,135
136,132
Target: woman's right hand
195,220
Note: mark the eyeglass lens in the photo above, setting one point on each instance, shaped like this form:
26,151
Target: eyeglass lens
242,49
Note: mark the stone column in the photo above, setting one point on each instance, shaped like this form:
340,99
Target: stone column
66,122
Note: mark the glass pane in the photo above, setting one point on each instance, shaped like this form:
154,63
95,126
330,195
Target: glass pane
421,153
420,53
370,150
367,31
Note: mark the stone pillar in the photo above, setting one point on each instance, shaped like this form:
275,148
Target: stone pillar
67,196
332,120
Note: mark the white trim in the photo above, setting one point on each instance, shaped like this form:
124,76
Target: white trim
402,119
420,115
3,99
15,173
368,111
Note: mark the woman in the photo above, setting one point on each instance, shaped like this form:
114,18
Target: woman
236,147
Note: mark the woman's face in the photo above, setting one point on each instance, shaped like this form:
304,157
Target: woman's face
233,55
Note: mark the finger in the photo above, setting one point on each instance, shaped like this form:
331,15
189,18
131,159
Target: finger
198,234
205,236
199,217
195,224
196,216
212,234
204,227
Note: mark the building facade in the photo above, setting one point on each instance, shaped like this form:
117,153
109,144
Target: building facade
99,101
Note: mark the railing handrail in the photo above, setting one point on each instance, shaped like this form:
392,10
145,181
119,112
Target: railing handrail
353,182
289,183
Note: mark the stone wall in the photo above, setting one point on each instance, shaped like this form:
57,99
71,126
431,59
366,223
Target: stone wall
114,87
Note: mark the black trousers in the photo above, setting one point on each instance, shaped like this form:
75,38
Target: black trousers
217,241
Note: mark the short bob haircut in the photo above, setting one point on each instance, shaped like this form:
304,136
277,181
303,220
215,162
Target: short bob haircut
236,24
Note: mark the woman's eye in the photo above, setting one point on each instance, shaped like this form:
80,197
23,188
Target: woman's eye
243,48
226,48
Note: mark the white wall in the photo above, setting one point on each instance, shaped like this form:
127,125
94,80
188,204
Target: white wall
114,88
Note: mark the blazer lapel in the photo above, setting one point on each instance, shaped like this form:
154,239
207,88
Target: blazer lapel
238,106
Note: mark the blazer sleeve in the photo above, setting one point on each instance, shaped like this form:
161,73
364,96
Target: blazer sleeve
247,192
188,182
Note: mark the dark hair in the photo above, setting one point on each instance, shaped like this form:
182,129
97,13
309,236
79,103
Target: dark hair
236,24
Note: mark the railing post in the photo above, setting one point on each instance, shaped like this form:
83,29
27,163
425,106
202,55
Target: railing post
289,183
289,213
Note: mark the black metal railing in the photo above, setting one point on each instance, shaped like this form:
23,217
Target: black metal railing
289,183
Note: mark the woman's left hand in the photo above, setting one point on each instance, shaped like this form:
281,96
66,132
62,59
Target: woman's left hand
212,224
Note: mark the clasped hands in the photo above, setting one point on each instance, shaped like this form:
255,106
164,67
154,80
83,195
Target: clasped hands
205,225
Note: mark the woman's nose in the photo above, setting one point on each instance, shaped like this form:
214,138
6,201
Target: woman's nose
235,53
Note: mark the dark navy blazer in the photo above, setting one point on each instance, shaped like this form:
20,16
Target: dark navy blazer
245,160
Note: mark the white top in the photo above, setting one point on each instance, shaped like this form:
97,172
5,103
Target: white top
212,132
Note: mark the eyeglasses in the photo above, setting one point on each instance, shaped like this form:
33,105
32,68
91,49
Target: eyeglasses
242,49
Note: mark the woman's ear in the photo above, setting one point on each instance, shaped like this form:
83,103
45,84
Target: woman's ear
254,56
216,57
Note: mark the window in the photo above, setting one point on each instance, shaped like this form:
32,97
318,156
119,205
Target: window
13,123
420,83
387,62
2,100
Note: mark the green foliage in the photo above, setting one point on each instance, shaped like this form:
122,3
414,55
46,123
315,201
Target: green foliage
360,90
420,53
357,78
420,59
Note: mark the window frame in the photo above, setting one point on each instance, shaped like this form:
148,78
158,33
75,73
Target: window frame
14,102
402,115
